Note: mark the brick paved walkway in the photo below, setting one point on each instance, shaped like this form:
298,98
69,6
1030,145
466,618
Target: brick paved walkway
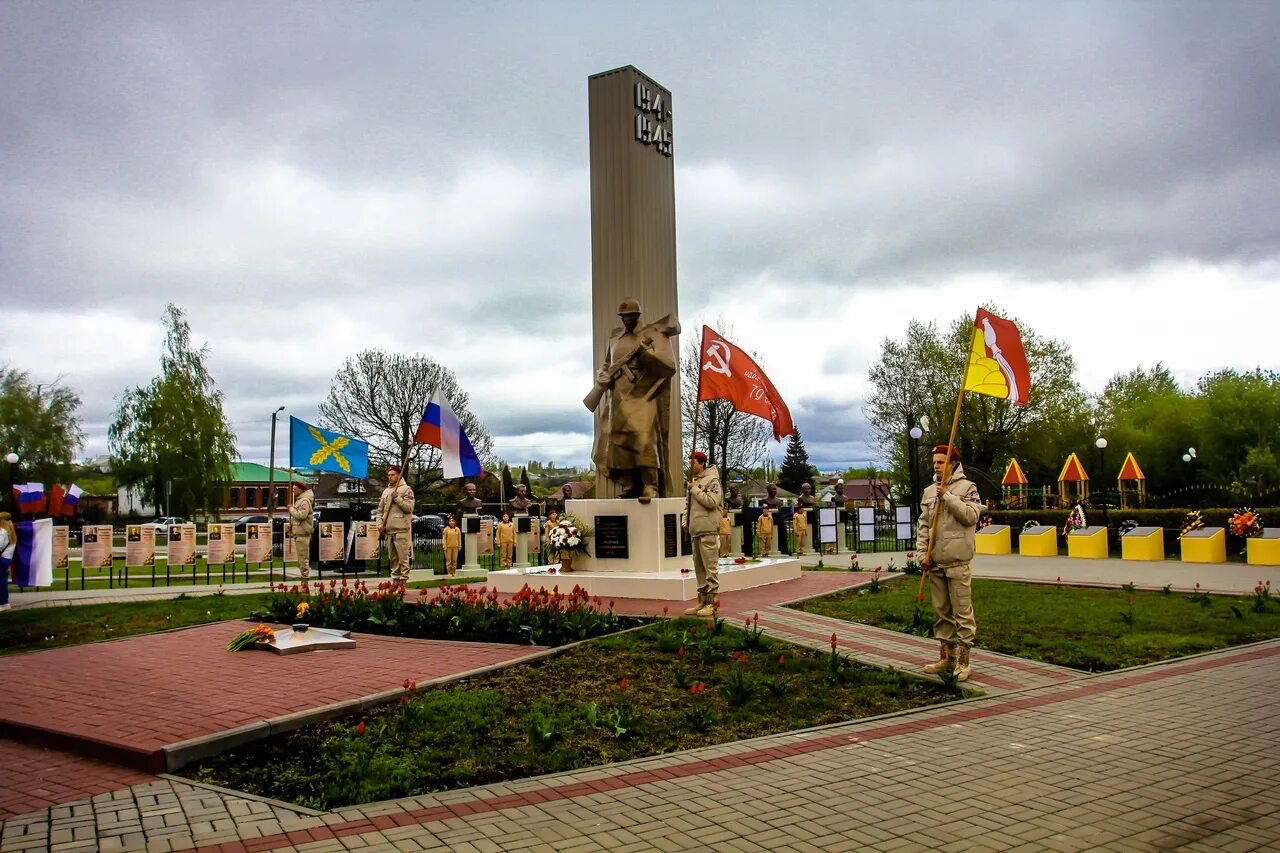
1050,759
1176,755
137,699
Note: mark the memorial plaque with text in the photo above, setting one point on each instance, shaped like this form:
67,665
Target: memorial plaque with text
611,537
671,535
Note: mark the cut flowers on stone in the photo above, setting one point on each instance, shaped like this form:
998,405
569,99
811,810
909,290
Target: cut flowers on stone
247,639
1191,521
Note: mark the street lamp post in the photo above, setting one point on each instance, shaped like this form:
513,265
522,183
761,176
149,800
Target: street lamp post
1101,444
271,475
913,444
12,459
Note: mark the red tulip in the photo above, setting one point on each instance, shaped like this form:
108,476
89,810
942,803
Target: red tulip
622,683
361,728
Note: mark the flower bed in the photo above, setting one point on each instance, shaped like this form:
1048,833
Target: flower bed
541,617
675,684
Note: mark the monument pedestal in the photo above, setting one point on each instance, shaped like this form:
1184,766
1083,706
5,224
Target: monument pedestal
522,541
640,551
735,534
470,545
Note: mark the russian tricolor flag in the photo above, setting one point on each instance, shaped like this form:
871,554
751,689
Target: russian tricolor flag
440,428
71,500
30,498
33,558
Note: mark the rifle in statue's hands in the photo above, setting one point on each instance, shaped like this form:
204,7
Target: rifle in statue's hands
613,371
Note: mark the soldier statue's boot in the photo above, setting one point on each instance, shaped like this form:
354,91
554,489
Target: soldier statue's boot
693,611
946,659
962,669
650,490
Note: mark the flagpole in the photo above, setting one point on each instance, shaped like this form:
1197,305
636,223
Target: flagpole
946,466
693,440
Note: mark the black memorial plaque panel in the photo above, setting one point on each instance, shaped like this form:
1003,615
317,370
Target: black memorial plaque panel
611,537
671,535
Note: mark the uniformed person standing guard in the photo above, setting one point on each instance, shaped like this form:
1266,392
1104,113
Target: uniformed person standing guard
946,560
703,523
302,523
800,526
395,521
451,540
506,540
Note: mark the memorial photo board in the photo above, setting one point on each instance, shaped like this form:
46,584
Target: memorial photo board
535,535
139,545
95,546
257,543
182,545
331,541
61,546
221,547
366,546
484,539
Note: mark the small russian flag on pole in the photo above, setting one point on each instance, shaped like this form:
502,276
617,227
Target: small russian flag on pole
440,429
30,498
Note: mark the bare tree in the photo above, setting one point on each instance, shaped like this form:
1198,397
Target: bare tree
736,441
379,397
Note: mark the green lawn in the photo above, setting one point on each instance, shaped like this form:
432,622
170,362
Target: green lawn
35,628
1080,627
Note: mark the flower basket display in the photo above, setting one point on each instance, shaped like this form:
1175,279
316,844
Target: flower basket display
1244,523
567,537
1075,521
1191,521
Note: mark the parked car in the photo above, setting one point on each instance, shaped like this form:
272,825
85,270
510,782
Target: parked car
428,526
249,519
165,522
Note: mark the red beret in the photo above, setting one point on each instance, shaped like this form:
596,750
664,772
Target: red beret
699,456
947,450
391,468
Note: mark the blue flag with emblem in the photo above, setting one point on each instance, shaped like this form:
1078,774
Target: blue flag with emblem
321,450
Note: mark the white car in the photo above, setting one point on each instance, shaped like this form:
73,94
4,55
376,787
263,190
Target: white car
163,524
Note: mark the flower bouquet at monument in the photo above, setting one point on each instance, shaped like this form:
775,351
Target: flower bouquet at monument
1075,521
1244,523
250,638
567,537
1191,521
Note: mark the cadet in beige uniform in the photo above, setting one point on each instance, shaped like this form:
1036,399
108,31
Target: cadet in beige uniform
703,522
506,540
800,525
452,542
764,533
395,521
946,560
302,523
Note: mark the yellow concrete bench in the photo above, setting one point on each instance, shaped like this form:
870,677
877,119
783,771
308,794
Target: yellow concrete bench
994,539
1143,543
1088,542
1206,545
1039,541
1264,549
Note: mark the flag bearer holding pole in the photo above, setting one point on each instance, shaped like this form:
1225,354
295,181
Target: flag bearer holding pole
949,509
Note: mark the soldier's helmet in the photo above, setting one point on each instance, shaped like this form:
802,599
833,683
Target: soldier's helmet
629,305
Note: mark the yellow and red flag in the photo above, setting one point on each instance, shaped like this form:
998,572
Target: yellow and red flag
727,373
997,362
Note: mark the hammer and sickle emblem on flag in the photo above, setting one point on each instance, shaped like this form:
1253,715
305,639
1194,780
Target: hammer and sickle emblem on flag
329,448
718,358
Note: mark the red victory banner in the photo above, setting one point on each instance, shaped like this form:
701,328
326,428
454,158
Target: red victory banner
728,373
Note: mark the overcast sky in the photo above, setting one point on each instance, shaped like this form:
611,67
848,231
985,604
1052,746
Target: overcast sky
310,179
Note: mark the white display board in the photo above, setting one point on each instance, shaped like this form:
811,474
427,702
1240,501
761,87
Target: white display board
866,524
903,521
828,524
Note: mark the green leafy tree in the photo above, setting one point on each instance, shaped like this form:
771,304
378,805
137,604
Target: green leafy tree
379,397
171,438
795,470
920,375
41,423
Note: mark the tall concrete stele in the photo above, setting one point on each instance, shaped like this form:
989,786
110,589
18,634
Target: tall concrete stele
633,223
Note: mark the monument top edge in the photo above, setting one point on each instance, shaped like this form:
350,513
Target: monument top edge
622,68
